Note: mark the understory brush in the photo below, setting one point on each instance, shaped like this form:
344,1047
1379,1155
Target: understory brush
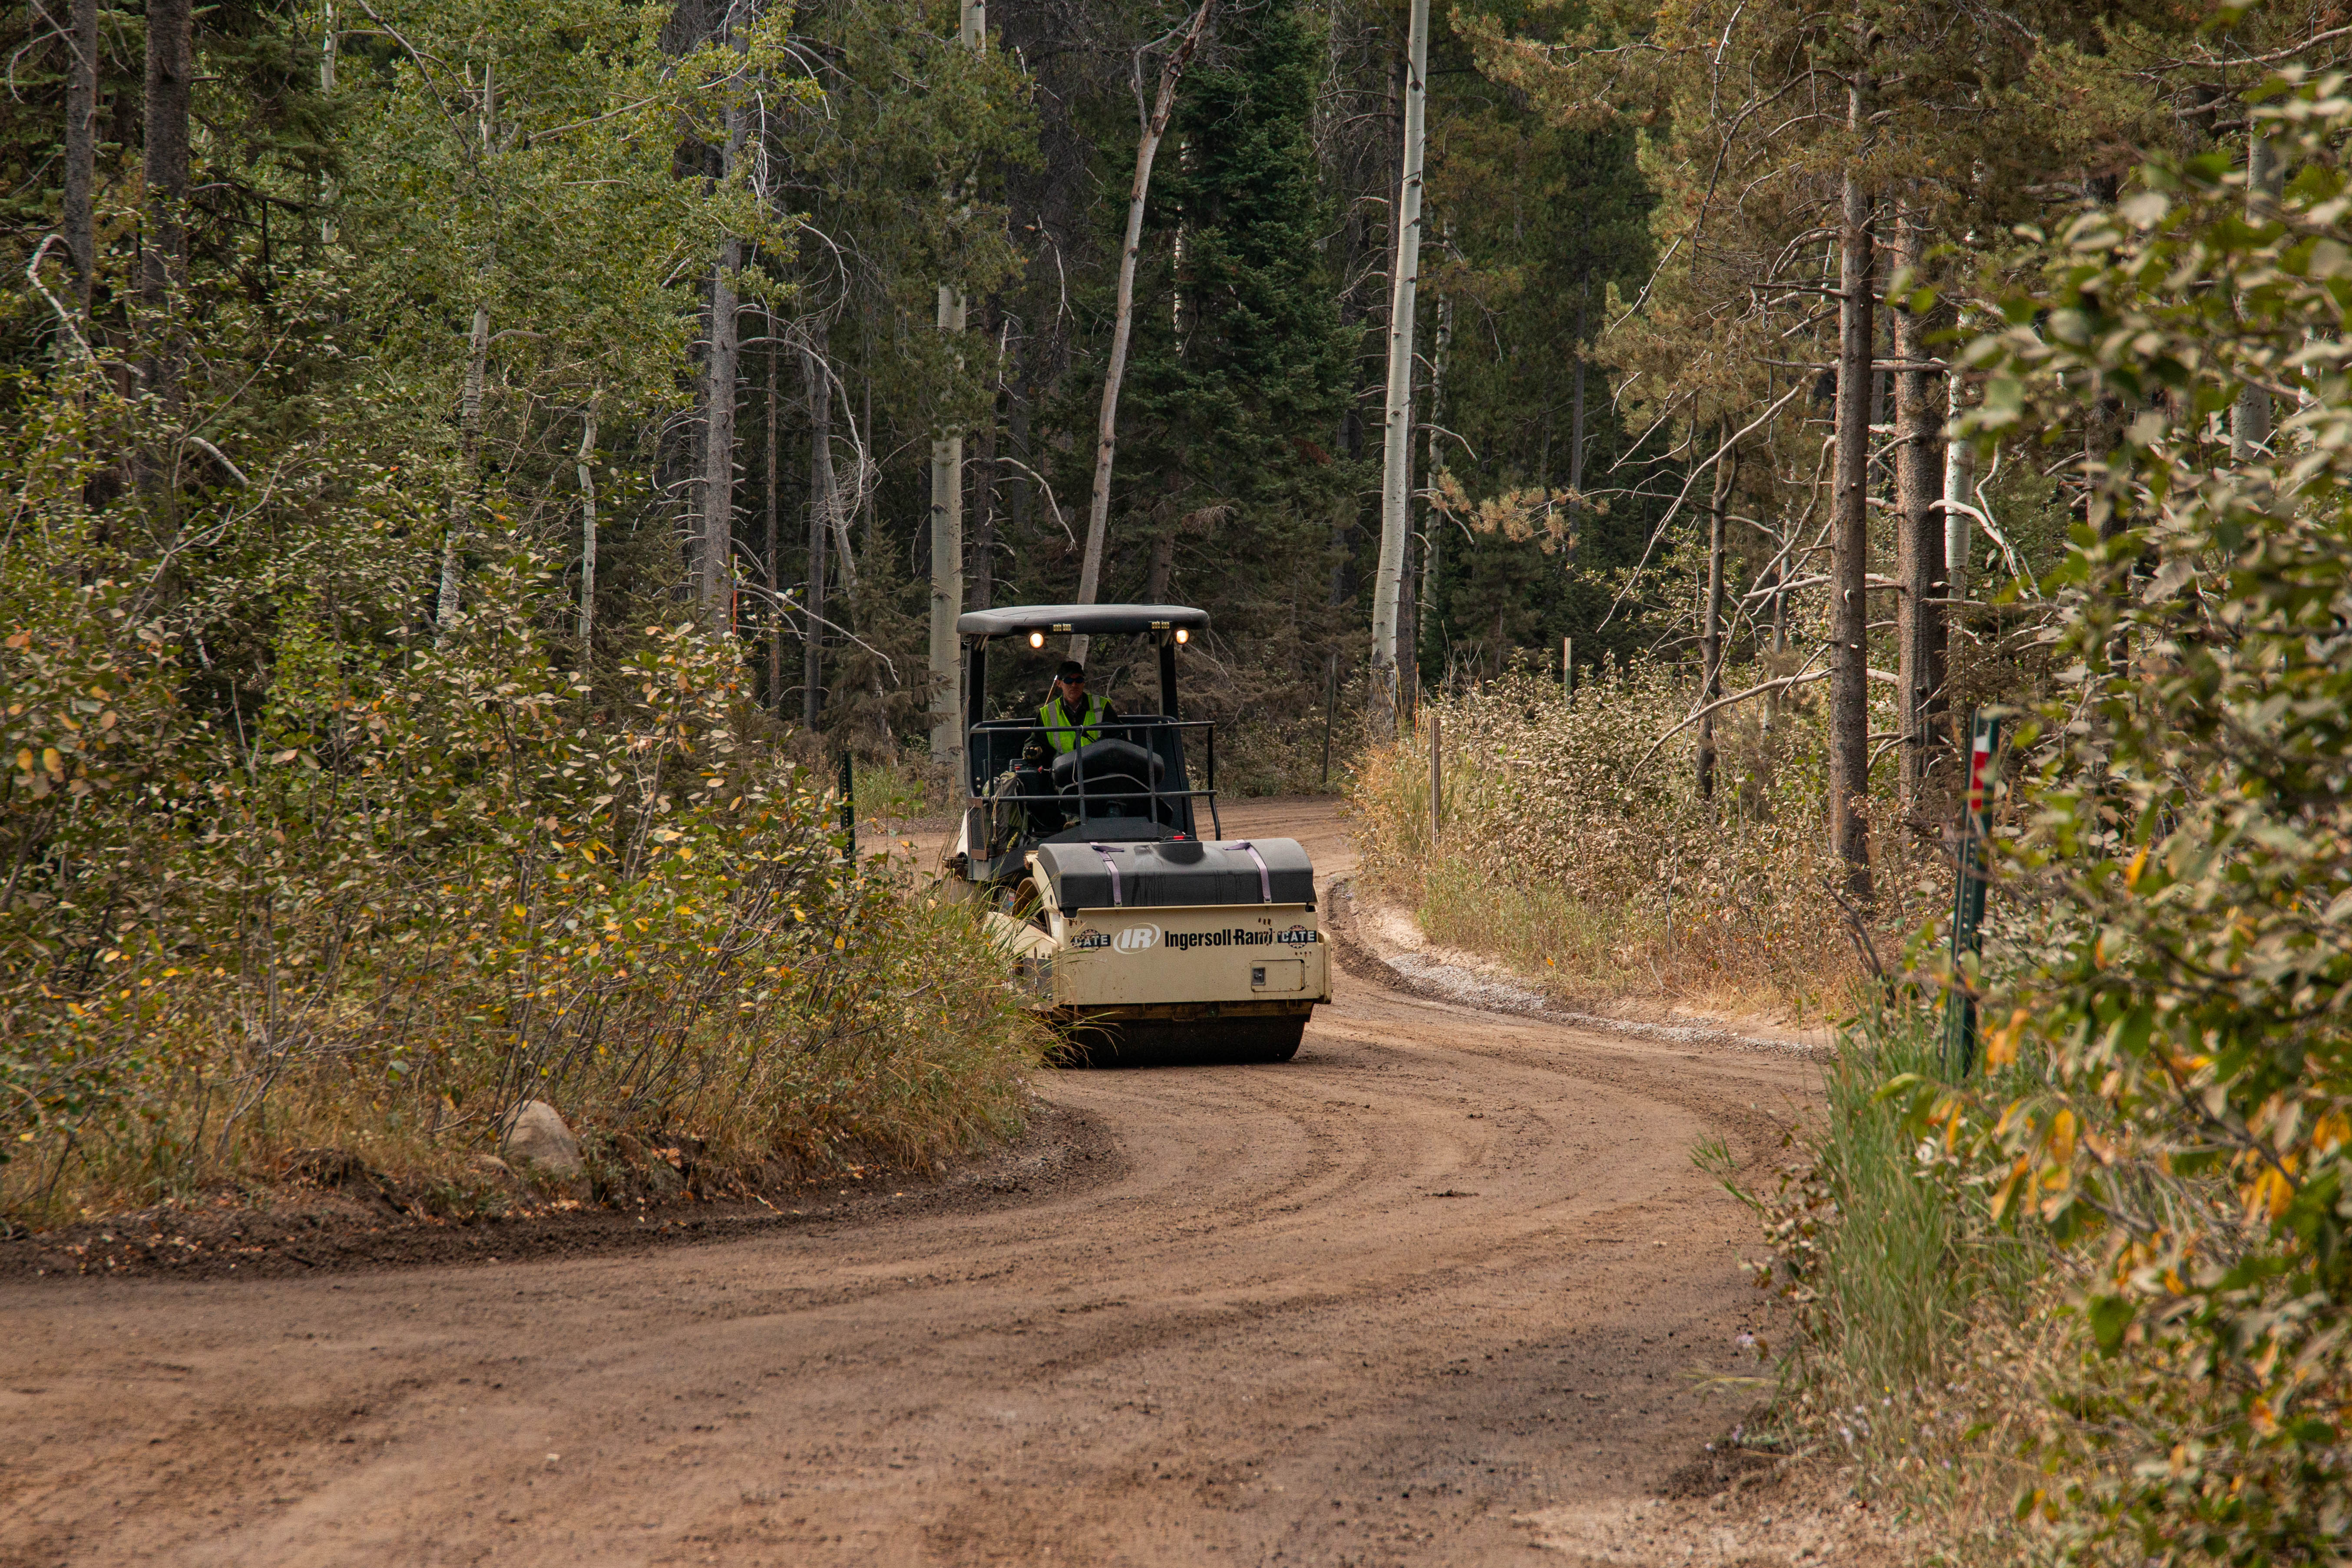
2162,1122
372,902
1573,845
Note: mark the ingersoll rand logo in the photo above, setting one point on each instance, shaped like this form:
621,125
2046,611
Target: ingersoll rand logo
1135,939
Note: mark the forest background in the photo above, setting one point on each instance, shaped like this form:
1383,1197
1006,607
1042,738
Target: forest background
470,470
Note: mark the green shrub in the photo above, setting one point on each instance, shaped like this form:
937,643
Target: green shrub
418,880
2168,1119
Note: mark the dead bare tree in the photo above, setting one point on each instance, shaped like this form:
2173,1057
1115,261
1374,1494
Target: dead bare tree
1155,126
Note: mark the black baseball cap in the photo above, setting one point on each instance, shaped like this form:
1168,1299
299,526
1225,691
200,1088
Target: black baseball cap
1071,670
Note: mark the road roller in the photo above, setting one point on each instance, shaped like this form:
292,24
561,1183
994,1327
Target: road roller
1141,939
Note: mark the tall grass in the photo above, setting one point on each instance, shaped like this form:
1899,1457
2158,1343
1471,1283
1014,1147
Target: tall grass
1573,845
1910,1254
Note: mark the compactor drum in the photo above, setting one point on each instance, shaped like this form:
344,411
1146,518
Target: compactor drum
1142,940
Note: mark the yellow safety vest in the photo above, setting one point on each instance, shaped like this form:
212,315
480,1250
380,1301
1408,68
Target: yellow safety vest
1065,733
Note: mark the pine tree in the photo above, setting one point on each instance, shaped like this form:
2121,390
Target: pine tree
1240,368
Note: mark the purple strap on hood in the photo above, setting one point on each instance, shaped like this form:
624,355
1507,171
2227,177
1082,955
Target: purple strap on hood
1112,866
1265,881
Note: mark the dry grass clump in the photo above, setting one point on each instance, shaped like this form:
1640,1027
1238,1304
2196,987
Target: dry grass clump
879,1027
1568,849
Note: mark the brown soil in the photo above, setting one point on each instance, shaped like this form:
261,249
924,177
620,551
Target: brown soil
1445,1288
372,1222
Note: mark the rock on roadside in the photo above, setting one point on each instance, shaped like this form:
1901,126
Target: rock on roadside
536,1135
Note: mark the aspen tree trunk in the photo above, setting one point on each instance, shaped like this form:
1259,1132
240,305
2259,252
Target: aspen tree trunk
1408,669
823,508
1959,481
2249,422
1849,770
459,529
947,564
588,526
329,46
1155,126
1727,469
82,154
1919,542
1396,457
843,555
947,505
469,468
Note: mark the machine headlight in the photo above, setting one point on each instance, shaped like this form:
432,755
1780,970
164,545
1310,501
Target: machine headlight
1183,635
1036,640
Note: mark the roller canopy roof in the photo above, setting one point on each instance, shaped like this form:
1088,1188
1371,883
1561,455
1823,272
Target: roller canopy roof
1095,620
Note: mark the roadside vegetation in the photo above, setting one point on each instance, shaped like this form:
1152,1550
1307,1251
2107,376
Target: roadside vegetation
2079,1292
419,884
1573,845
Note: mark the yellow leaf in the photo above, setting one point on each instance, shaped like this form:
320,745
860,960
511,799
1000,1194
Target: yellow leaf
2001,1049
2139,864
2061,1137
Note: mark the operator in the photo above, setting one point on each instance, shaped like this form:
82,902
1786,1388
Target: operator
1068,720
1070,717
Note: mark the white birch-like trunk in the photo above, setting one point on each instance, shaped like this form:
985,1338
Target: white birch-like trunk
1396,457
1155,126
469,467
823,504
946,564
947,506
587,471
1959,480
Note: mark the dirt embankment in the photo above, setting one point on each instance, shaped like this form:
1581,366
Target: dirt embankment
1444,1287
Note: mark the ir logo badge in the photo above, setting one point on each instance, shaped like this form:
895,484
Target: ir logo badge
1135,939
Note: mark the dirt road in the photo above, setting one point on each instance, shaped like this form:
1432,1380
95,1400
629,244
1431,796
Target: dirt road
1443,1272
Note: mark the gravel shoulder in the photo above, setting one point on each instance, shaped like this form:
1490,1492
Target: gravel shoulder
1445,1288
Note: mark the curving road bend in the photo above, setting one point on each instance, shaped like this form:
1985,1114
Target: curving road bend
1378,1305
